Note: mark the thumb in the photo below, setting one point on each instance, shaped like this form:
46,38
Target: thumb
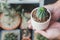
53,33
50,33
29,24
44,33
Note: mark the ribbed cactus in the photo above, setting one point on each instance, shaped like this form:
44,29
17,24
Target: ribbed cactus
42,14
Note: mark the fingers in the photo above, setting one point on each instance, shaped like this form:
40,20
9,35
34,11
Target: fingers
55,25
54,30
51,22
41,32
44,33
49,7
29,24
52,33
55,11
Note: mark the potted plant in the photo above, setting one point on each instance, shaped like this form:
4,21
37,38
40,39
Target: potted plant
26,34
9,19
10,35
40,18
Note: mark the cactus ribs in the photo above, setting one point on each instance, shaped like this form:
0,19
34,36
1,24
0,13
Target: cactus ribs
40,15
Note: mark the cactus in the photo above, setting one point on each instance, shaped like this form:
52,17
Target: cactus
42,14
11,36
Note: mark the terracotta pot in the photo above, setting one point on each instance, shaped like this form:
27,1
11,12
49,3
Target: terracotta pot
4,22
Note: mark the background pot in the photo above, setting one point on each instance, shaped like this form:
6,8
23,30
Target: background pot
4,24
38,25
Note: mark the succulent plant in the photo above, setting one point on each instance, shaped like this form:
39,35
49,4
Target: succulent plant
40,37
4,6
42,14
10,36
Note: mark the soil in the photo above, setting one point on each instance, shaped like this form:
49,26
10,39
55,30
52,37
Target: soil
37,19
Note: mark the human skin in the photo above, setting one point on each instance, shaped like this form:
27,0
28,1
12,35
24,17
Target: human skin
54,28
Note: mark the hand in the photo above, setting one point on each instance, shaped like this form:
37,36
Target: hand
54,28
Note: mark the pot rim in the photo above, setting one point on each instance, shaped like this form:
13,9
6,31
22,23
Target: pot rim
41,22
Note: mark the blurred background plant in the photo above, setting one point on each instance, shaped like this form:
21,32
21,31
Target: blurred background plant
41,37
11,36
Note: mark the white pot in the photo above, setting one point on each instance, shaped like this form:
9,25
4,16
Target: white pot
37,25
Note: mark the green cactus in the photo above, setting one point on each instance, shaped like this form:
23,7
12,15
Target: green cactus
11,36
42,14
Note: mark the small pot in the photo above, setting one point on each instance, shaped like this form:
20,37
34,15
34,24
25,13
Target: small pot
40,25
